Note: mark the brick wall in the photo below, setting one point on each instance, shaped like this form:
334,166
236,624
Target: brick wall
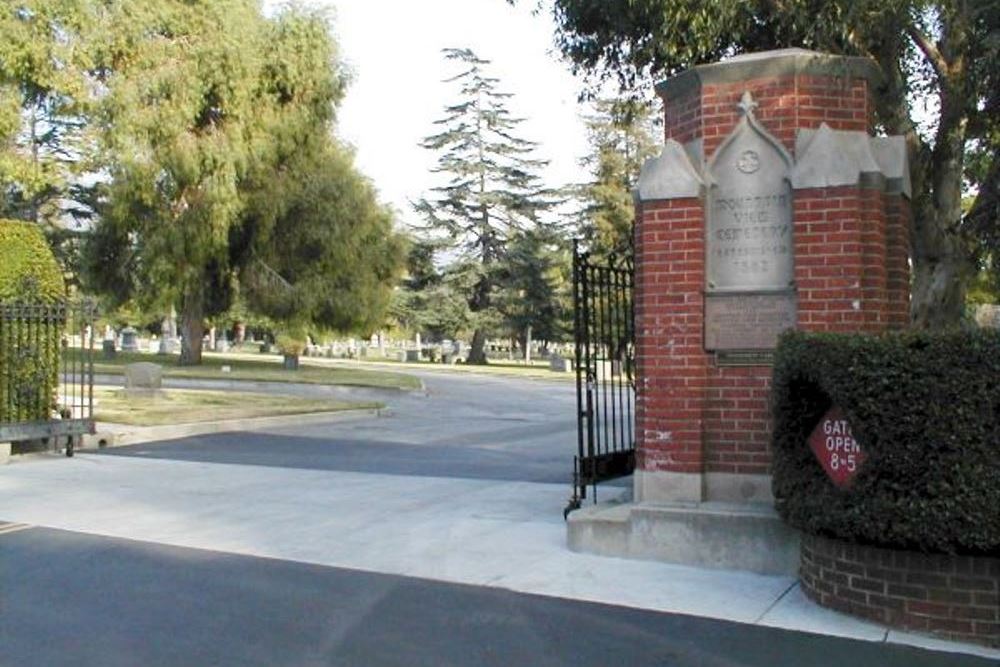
737,430
955,597
670,266
851,274
786,104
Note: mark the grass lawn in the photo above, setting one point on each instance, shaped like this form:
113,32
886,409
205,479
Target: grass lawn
266,369
186,406
535,371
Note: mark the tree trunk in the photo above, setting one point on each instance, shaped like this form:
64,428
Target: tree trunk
941,257
477,351
192,330
938,298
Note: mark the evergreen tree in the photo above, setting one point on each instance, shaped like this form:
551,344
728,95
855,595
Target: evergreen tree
493,190
621,139
45,105
207,105
537,294
329,257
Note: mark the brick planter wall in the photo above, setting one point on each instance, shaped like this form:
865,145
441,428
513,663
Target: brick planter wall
955,597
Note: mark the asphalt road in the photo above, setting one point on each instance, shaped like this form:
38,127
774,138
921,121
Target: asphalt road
464,426
80,600
476,452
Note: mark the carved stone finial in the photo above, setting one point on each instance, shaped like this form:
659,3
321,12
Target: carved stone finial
747,104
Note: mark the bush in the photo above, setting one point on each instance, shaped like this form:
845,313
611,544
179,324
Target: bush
29,338
925,408
29,272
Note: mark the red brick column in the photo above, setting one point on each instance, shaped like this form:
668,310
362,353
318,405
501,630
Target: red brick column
703,426
670,396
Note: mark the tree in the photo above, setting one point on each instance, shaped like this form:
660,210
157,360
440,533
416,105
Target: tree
493,190
329,257
621,139
947,51
205,103
537,288
430,301
45,103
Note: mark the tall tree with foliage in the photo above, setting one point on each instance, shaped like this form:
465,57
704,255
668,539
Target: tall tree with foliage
206,103
493,190
430,301
45,106
537,290
946,51
319,250
621,139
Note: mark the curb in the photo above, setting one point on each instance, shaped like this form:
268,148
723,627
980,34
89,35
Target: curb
119,435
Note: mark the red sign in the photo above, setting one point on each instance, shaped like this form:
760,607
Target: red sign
835,447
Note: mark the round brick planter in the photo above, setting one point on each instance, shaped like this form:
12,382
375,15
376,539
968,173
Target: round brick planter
955,597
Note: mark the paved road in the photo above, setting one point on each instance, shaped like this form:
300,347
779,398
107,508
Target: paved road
286,547
464,426
83,600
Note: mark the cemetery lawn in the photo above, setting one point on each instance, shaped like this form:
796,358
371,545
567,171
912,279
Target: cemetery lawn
266,369
535,371
188,406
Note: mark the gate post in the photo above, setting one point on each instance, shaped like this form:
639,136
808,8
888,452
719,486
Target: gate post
770,207
670,361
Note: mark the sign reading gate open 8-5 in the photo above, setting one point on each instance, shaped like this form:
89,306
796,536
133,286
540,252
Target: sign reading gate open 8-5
835,447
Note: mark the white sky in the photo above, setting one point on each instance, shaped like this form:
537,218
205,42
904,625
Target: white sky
394,48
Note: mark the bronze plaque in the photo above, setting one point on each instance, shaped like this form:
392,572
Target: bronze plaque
747,321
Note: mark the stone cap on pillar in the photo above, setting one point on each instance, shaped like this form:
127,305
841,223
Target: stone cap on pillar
671,175
769,64
832,158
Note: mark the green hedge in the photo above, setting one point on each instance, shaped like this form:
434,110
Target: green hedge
925,408
29,272
30,342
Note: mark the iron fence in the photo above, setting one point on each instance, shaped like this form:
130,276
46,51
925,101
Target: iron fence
46,372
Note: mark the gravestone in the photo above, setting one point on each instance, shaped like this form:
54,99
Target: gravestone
143,378
130,340
560,365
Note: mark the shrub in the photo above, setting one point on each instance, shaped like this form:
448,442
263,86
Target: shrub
30,338
29,272
925,408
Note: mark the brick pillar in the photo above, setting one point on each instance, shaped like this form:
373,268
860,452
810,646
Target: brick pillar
770,206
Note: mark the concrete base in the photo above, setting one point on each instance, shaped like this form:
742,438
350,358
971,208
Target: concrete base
730,536
4,453
662,486
730,488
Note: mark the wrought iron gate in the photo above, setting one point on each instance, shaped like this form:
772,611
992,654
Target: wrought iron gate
46,372
604,324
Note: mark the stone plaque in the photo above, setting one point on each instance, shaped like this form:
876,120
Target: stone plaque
747,321
749,226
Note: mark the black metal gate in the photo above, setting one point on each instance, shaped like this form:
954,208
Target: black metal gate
46,372
604,324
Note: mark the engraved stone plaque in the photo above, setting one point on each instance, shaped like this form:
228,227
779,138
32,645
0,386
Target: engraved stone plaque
747,321
749,226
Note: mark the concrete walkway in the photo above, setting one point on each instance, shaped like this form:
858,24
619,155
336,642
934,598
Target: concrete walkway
318,506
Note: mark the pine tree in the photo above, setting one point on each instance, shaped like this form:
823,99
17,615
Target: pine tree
621,139
493,191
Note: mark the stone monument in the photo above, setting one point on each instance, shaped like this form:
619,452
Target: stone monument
771,207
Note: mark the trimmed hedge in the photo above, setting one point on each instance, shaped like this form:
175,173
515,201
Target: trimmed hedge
29,272
925,408
30,341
